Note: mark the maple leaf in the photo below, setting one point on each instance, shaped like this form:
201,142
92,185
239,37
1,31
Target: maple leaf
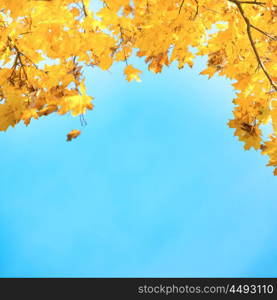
132,73
73,134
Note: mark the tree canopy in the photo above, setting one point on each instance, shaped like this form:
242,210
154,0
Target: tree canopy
46,44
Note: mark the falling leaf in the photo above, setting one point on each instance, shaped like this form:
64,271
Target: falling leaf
73,134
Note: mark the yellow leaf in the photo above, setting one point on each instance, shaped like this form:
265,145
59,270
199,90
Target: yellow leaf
132,73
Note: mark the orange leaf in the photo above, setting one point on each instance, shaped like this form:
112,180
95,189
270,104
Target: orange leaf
73,134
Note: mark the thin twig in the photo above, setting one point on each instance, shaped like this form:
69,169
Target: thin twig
197,9
264,33
122,41
84,9
252,2
181,6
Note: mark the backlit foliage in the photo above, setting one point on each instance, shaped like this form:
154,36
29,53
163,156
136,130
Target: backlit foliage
45,45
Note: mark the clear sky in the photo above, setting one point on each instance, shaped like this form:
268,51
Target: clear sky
156,185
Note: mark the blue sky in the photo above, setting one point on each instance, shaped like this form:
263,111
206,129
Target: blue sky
156,185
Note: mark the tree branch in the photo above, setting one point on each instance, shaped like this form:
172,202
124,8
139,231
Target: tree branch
250,37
